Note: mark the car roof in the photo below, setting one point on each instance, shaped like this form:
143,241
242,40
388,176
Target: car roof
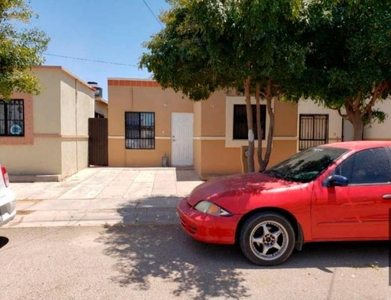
359,145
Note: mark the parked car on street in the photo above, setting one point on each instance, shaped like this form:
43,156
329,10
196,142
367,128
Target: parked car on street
333,192
7,198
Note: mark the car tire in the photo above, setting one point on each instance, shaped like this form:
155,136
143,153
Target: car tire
267,239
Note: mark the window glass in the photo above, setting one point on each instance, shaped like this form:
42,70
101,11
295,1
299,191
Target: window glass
140,130
240,131
307,165
2,119
313,130
366,167
12,118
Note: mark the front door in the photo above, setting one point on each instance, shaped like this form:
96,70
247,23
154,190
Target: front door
182,139
361,209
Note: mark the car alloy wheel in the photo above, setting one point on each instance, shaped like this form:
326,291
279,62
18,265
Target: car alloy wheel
267,239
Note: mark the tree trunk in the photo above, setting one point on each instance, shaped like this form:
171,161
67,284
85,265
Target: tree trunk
358,129
259,121
354,116
270,113
250,157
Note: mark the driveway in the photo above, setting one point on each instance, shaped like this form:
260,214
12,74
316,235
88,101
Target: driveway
97,196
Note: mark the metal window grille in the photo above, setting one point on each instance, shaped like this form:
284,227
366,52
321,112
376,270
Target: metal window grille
140,130
313,130
240,131
12,118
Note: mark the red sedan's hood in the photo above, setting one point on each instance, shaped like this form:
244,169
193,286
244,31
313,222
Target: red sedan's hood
236,185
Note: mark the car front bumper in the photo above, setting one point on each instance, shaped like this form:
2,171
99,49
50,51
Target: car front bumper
7,207
207,228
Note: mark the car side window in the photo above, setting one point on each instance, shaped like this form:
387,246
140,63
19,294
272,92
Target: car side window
366,167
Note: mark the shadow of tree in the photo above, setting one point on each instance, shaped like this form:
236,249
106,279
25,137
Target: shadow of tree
203,271
200,271
186,175
3,241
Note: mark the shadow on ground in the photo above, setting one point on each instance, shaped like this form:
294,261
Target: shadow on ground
186,175
3,241
327,256
200,271
203,271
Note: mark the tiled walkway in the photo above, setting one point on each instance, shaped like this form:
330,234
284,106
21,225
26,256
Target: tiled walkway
96,196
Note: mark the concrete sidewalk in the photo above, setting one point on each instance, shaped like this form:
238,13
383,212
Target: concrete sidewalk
99,196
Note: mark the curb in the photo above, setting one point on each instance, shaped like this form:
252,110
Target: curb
100,217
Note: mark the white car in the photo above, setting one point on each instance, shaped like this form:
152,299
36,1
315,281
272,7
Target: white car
7,198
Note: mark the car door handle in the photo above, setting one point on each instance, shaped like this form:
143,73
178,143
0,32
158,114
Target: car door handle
387,196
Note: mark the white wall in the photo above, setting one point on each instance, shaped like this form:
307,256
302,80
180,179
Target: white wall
42,158
46,110
380,131
77,106
374,131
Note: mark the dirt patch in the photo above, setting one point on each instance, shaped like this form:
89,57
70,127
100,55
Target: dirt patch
32,201
24,212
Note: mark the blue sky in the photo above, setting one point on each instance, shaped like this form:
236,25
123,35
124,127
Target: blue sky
104,30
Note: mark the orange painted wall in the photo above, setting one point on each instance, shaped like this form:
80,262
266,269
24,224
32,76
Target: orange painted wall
285,119
211,156
142,96
219,160
213,115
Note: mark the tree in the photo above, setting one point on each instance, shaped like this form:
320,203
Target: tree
348,65
269,41
20,49
243,45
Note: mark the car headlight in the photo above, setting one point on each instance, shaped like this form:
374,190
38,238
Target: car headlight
211,209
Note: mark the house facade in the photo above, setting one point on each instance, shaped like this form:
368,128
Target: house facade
148,125
335,128
45,137
101,108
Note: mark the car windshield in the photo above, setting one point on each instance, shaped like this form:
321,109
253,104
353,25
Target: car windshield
305,166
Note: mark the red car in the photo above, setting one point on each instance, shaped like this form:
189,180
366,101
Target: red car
333,192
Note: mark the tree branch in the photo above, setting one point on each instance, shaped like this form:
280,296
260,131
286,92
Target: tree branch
350,102
379,90
342,115
332,107
357,102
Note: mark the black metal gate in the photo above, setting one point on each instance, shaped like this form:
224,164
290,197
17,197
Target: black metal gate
313,130
98,142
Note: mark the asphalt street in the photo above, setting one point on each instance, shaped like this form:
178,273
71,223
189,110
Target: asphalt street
162,262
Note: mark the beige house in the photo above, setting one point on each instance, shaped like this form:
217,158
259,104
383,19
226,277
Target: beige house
45,137
147,124
101,108
101,105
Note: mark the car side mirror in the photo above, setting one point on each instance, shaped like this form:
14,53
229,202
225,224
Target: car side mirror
337,180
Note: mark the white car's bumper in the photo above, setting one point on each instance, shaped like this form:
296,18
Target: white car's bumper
7,207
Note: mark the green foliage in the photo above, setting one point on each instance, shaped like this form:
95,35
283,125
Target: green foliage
377,116
20,49
349,55
217,44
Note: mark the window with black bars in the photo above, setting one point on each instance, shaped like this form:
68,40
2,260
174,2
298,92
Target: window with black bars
313,130
240,131
140,130
12,118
